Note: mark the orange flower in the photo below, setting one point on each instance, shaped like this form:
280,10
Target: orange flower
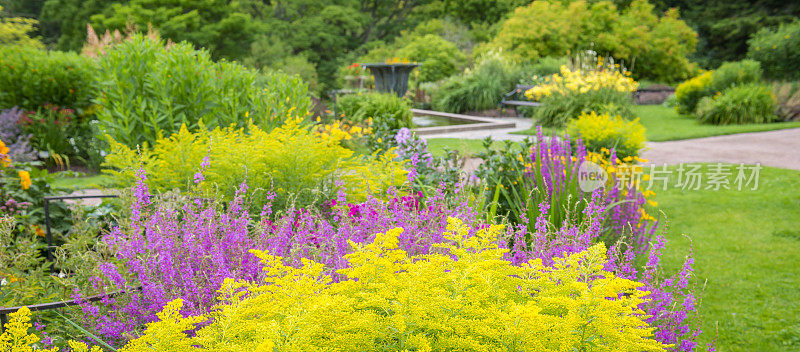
25,179
38,230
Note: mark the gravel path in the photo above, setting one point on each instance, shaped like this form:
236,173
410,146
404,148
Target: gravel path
774,148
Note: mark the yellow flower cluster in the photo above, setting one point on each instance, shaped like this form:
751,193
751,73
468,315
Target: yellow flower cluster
397,60
571,81
5,160
605,131
24,179
340,130
16,337
469,299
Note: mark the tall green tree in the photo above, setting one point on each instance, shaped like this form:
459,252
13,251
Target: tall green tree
63,22
211,24
725,26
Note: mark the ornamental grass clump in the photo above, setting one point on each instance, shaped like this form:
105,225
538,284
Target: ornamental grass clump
462,297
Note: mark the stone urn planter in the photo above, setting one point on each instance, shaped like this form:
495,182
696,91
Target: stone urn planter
391,77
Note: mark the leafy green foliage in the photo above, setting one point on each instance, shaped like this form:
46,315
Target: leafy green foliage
438,57
383,108
31,78
778,51
747,103
689,93
269,53
655,47
63,22
150,91
724,26
211,24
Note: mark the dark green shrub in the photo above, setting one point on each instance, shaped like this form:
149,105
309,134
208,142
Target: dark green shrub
741,104
778,51
384,109
149,90
31,78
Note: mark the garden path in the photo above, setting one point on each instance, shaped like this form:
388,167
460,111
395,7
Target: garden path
779,148
773,148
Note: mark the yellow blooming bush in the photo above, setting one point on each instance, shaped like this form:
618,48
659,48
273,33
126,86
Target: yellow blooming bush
597,85
293,161
466,298
689,93
599,131
343,130
572,81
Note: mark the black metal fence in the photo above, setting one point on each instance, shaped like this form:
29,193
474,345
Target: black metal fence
4,311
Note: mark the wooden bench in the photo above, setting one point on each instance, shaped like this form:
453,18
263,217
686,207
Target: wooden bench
513,99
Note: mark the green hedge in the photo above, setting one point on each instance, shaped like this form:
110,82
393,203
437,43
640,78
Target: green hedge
31,78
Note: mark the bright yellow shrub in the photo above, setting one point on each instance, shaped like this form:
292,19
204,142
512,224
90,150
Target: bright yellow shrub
627,137
292,160
689,93
575,81
468,300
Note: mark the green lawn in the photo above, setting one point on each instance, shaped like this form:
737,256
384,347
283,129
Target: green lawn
466,147
82,182
664,124
747,252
